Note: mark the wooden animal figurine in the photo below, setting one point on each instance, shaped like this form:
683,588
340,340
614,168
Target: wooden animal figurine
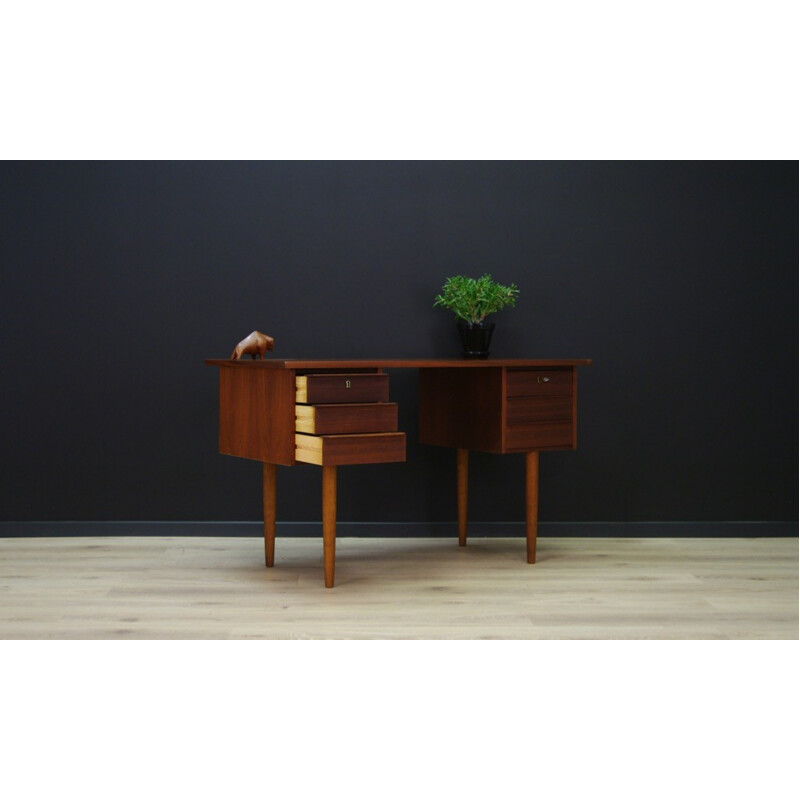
256,344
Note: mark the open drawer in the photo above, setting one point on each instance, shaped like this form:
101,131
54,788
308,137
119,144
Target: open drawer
360,448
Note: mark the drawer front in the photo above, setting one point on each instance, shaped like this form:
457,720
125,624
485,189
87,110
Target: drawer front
543,408
534,382
539,435
346,418
342,388
540,409
364,448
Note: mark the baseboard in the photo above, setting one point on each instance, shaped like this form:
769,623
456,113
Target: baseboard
405,529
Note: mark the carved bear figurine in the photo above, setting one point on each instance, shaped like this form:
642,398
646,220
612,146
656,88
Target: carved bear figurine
255,344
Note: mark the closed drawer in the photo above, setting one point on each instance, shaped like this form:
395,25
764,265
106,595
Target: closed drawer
363,448
342,388
528,382
539,435
346,418
538,408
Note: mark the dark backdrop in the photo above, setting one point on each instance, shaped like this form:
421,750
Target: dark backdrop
680,280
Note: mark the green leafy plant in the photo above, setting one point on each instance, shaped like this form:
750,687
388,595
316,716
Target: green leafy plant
474,299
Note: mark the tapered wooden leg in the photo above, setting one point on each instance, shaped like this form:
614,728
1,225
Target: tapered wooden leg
329,522
462,480
269,513
531,502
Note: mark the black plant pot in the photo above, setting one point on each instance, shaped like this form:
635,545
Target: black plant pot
475,337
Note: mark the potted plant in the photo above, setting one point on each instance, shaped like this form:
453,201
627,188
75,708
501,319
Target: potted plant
472,300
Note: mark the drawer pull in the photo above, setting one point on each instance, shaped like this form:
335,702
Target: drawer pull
540,379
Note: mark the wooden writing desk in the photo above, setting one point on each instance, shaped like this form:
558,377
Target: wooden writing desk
335,412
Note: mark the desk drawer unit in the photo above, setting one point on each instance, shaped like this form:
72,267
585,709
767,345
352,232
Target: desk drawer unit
345,419
539,409
498,409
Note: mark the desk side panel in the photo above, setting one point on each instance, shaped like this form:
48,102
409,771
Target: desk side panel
256,414
462,408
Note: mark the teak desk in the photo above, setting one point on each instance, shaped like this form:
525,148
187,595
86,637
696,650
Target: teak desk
334,412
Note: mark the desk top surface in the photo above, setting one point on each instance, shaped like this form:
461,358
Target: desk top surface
396,363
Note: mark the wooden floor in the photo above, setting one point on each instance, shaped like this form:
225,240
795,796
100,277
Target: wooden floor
218,588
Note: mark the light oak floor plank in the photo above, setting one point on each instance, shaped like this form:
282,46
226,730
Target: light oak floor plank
218,588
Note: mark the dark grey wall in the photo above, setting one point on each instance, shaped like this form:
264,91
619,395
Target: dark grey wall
680,280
